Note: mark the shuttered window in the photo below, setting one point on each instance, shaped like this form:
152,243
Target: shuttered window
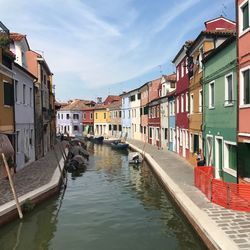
245,16
8,94
246,80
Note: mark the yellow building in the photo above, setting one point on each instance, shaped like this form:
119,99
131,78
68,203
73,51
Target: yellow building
101,120
6,93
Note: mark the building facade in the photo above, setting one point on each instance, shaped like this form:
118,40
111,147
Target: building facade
126,115
220,110
115,126
135,101
171,122
215,33
243,34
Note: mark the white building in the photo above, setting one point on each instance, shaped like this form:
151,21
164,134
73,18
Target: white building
24,103
135,102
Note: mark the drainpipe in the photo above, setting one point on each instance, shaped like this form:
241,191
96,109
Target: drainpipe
238,92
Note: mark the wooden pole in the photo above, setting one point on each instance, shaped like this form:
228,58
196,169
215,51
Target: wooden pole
12,187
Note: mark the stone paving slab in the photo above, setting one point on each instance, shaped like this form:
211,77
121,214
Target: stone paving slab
235,224
32,176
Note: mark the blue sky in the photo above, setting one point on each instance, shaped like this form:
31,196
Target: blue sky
100,47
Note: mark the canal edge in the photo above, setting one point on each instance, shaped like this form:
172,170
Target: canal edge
8,211
209,232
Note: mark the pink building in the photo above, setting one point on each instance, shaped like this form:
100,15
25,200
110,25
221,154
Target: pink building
243,22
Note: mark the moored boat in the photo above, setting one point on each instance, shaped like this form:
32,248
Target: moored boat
119,145
97,139
111,140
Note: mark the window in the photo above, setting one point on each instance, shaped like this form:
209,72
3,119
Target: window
245,16
129,114
165,133
150,132
177,105
181,137
229,90
31,137
186,101
211,95
58,116
132,98
8,94
61,116
17,141
75,116
172,85
139,96
191,104
31,97
96,116
171,135
91,115
24,93
75,128
182,103
182,69
200,101
177,73
230,155
16,91
245,87
84,115
173,108
104,115
67,116
186,65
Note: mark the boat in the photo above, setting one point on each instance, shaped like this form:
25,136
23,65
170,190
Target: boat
119,145
135,158
97,139
111,140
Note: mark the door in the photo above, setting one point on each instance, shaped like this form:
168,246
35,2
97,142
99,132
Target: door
183,143
219,159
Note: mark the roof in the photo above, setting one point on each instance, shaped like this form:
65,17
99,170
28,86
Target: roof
115,105
170,78
227,42
211,33
18,37
76,105
25,70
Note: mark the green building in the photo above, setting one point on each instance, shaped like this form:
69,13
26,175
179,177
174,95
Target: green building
220,110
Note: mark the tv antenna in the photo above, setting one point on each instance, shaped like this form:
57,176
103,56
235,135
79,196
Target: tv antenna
224,9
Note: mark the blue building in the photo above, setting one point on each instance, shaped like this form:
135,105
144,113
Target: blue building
126,115
171,121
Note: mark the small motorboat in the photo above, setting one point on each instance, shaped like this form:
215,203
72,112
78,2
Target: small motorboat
97,139
119,145
76,163
135,158
111,140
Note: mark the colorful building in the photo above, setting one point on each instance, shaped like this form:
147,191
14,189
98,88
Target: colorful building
135,102
7,123
171,122
215,33
88,118
115,127
220,110
38,67
126,115
24,102
243,53
182,101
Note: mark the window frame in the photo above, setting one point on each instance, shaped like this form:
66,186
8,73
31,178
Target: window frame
210,106
242,86
226,100
226,168
240,11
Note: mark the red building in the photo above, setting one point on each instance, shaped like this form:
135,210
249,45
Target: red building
243,33
88,118
154,122
182,101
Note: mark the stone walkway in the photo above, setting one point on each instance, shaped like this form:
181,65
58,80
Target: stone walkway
235,224
32,176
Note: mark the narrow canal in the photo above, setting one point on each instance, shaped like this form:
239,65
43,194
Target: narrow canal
111,206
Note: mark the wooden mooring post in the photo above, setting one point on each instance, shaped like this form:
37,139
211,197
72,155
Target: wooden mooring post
12,187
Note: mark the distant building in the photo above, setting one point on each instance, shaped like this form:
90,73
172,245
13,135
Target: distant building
88,118
115,126
70,118
171,121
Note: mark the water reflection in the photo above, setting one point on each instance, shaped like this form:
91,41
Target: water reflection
113,205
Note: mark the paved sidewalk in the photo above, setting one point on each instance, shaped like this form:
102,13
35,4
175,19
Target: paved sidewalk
31,177
235,225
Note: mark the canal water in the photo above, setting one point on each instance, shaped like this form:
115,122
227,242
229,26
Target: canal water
111,206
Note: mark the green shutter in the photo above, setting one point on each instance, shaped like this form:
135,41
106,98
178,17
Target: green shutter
232,157
245,15
246,75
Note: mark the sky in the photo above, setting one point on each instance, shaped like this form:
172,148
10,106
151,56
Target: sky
100,47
